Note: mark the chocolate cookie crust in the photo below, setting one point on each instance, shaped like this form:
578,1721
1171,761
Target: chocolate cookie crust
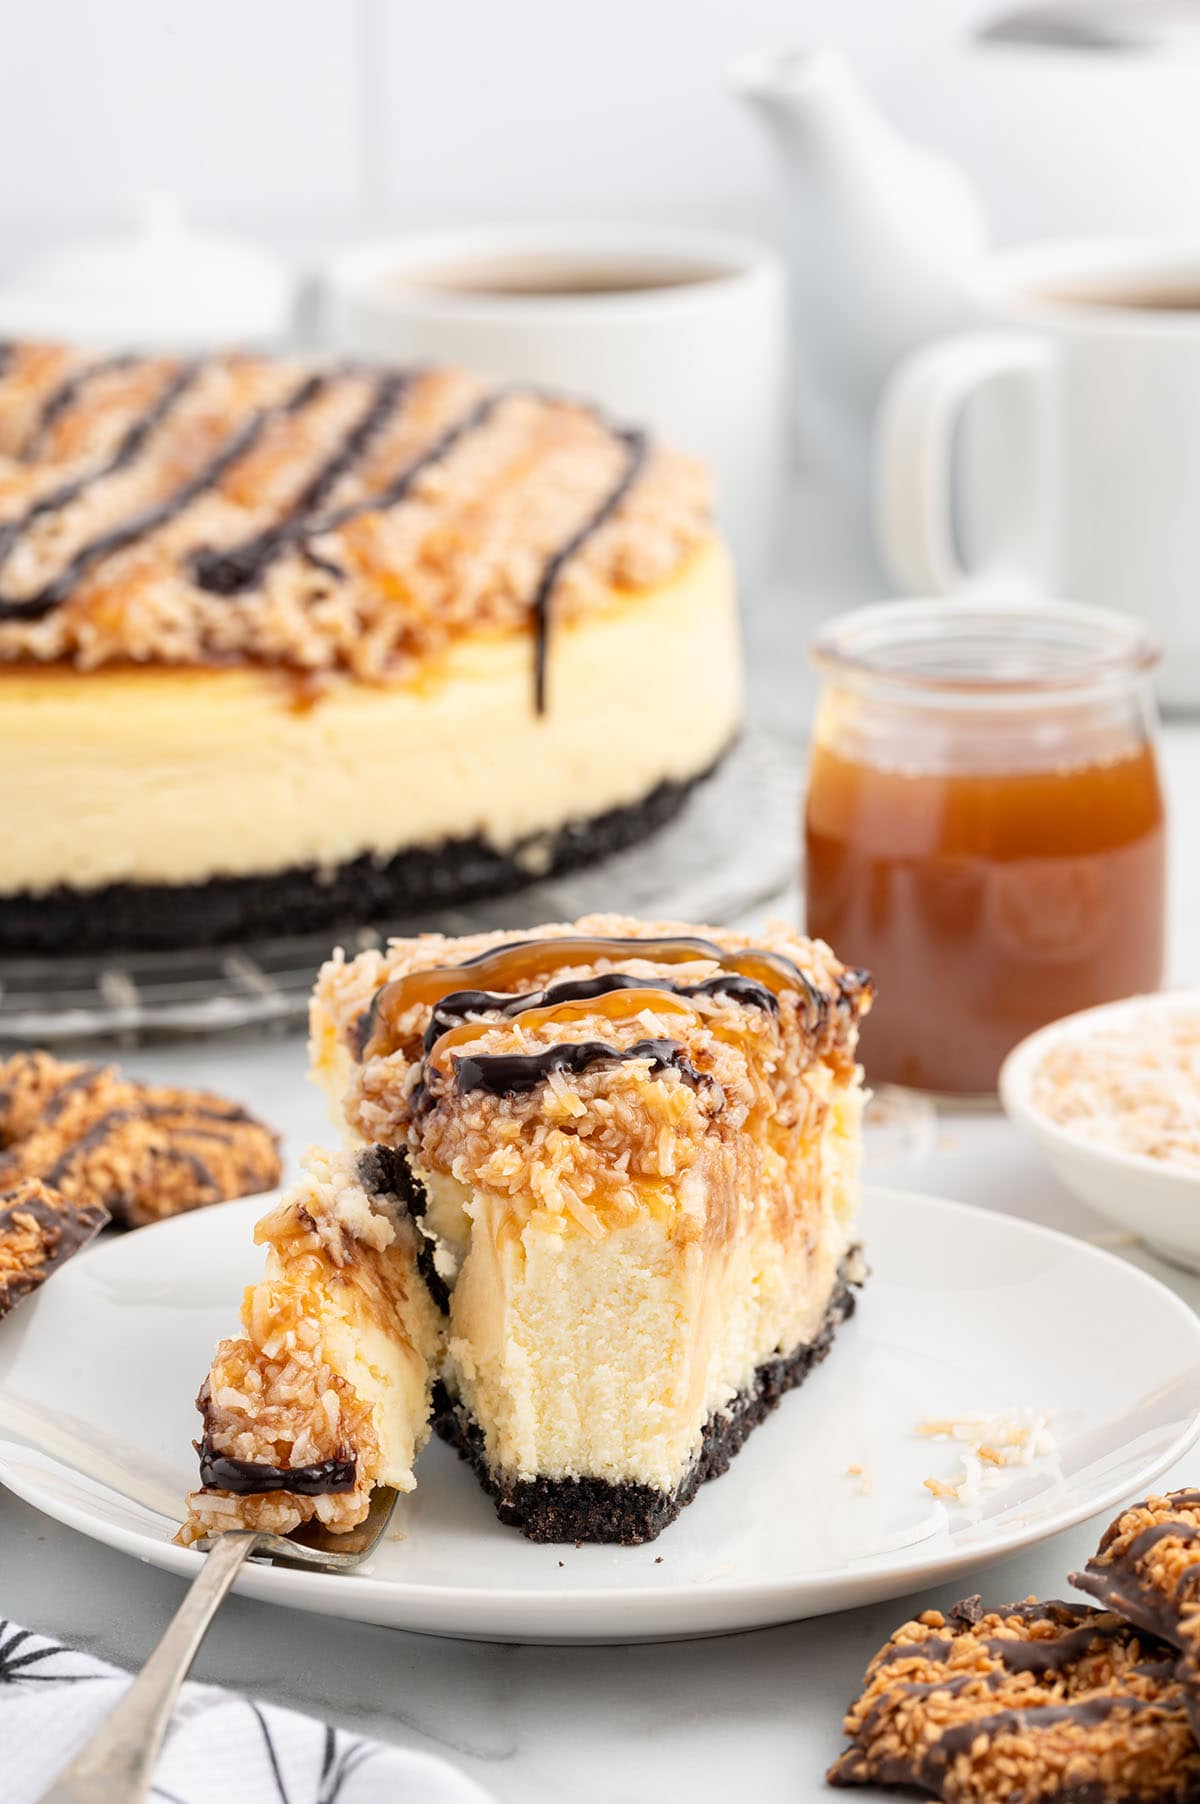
592,1509
306,899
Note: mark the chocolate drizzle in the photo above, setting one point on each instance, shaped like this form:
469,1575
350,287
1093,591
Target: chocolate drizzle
1086,1712
435,985
86,1078
229,570
1141,1544
749,976
232,570
401,486
127,532
246,1478
459,1005
132,442
1051,1653
1119,1581
636,445
62,398
39,1231
116,1119
515,1073
930,1647
95,1136
45,1215
1079,1631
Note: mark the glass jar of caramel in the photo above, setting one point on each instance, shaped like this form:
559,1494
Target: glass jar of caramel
984,825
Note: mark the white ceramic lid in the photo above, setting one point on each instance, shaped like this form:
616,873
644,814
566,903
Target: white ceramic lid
157,283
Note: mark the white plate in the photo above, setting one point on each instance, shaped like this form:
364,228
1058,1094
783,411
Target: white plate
965,1311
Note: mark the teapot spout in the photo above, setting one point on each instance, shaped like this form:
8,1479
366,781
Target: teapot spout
809,96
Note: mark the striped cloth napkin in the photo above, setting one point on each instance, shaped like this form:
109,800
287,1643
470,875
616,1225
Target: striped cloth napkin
220,1745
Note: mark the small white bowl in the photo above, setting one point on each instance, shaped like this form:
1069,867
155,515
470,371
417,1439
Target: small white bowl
1158,1202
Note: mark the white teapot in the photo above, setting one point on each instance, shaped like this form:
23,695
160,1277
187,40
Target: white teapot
884,236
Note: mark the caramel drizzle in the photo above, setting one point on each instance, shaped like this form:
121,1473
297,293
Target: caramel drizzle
517,1073
54,593
63,397
132,443
522,960
228,570
753,977
621,1007
461,1003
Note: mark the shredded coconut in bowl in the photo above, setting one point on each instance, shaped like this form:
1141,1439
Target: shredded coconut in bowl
1132,1087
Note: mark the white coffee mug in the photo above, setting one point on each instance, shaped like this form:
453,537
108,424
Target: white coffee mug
681,331
1060,443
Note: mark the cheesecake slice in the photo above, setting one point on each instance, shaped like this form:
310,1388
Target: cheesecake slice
637,1149
325,1393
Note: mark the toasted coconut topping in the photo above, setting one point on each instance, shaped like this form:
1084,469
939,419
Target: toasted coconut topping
329,520
590,1081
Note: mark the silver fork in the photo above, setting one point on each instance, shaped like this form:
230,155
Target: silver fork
117,1764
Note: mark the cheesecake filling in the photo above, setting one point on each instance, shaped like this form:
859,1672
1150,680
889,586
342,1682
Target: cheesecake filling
254,775
606,1357
325,1393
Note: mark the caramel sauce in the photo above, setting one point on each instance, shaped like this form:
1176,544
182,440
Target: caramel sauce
622,1008
525,960
984,905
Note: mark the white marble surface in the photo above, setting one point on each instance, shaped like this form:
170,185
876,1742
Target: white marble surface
753,1715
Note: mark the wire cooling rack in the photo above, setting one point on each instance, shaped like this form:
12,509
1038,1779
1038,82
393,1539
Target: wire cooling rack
732,848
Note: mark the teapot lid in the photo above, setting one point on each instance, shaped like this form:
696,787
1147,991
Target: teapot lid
1158,26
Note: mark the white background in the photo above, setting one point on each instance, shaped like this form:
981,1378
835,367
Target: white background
311,119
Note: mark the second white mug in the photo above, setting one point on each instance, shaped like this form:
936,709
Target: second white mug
1060,443
682,331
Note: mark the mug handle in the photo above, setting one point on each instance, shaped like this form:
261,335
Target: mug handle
913,454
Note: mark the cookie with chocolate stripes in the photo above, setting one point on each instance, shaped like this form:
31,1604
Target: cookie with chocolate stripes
1037,1701
1148,1567
40,1229
142,1151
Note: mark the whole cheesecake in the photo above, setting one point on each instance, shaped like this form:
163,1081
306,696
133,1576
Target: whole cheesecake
284,648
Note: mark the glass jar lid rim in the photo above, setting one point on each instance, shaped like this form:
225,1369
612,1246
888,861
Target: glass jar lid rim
1004,648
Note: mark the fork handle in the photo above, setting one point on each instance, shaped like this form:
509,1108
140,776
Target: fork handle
117,1764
